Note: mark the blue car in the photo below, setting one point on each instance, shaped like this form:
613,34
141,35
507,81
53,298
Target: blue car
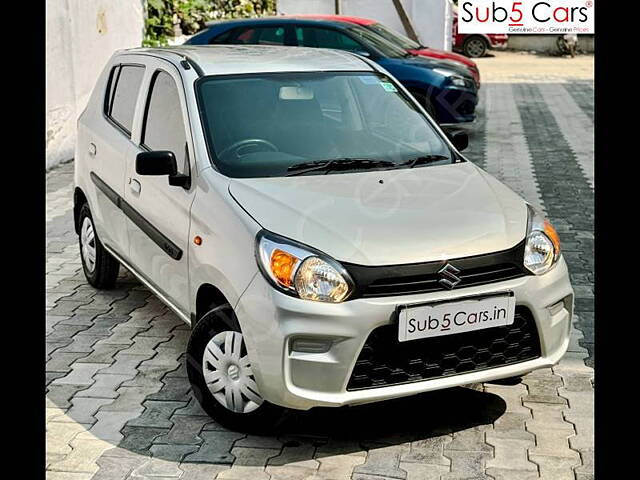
446,89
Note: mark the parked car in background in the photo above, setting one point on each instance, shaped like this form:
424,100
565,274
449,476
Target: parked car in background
476,45
402,41
327,243
445,88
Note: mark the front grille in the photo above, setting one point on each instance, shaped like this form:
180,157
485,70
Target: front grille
466,107
424,277
385,361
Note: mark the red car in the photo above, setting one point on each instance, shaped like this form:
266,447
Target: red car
475,45
402,41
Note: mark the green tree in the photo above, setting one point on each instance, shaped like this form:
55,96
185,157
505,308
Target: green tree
168,18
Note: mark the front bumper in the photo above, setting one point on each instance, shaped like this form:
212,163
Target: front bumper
454,105
499,42
272,321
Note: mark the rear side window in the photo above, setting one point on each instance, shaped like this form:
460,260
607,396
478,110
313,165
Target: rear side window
259,36
122,95
325,38
164,125
223,37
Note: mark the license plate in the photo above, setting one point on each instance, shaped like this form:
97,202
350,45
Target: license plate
448,318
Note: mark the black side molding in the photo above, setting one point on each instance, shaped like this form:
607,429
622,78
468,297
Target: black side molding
151,231
106,189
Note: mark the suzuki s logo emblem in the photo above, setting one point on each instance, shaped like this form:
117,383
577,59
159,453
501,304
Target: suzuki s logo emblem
449,276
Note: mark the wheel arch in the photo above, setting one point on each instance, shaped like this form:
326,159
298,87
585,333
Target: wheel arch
79,199
209,297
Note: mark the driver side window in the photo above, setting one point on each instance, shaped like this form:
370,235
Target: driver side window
326,38
163,123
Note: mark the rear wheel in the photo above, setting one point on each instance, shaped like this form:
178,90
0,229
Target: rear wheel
475,47
221,376
99,266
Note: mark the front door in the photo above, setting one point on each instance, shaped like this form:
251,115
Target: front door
159,216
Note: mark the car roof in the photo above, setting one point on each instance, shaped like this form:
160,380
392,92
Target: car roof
282,20
239,59
335,18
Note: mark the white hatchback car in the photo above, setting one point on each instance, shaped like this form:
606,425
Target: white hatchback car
323,236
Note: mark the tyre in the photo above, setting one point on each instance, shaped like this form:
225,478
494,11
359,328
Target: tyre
475,47
99,266
221,378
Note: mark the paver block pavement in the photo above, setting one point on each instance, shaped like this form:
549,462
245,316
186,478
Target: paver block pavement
81,374
249,463
383,461
185,430
157,414
104,385
216,448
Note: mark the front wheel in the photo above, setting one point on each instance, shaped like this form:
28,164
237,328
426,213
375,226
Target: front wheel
475,47
221,376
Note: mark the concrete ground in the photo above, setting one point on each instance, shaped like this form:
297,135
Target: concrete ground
119,404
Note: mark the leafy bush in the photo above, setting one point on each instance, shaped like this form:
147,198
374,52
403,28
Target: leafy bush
169,18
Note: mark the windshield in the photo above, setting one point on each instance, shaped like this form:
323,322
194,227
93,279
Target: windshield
386,48
266,125
393,37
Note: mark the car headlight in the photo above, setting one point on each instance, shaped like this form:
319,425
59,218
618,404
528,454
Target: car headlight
453,77
301,271
542,249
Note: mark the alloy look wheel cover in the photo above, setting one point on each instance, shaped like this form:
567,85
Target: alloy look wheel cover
228,375
475,47
88,244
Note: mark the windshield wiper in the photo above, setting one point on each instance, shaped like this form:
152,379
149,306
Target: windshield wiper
424,160
346,163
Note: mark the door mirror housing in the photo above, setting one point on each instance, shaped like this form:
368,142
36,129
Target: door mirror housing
161,162
459,138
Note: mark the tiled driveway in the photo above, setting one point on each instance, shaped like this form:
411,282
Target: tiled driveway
119,404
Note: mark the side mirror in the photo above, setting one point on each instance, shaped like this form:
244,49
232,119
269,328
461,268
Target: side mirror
161,162
459,138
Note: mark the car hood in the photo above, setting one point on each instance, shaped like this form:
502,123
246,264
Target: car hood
435,53
389,217
431,63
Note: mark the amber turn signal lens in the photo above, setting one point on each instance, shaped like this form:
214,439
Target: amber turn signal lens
553,236
282,266
197,240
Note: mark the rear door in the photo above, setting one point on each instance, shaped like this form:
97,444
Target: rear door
107,149
159,214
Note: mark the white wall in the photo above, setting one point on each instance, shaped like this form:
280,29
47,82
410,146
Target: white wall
431,18
81,36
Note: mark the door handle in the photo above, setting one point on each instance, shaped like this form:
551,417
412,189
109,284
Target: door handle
135,185
92,149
